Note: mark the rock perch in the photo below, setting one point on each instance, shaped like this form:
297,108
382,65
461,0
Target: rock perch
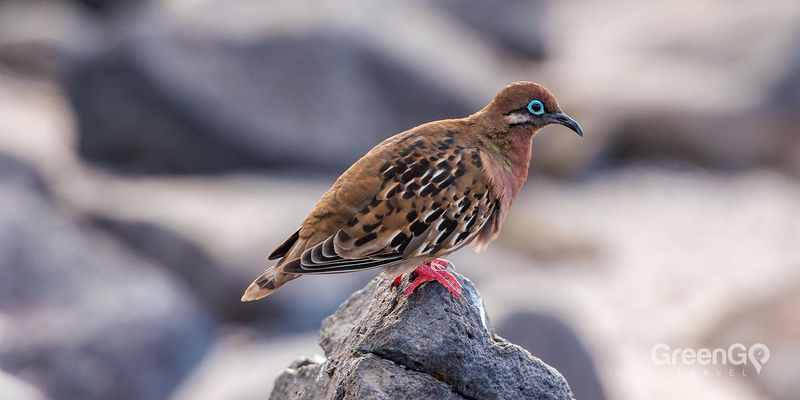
381,345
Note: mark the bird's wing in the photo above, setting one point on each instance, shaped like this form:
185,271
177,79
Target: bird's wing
284,247
432,199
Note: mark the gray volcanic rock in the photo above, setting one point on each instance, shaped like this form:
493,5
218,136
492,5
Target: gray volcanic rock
80,317
215,288
183,105
381,345
559,345
515,25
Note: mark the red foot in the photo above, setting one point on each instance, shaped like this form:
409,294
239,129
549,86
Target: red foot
435,270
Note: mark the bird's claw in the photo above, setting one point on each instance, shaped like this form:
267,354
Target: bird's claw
436,270
397,280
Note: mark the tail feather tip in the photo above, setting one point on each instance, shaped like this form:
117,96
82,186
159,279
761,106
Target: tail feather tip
265,284
255,292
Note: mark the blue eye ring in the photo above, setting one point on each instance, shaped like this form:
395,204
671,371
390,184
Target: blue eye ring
536,107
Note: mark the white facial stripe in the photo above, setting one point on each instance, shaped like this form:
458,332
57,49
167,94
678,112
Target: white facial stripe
517,118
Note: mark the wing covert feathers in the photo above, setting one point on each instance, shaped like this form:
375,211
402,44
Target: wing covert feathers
284,248
418,195
429,199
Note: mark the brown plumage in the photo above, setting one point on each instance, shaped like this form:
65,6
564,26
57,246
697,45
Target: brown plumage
420,194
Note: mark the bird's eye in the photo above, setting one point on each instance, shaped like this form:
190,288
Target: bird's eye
536,107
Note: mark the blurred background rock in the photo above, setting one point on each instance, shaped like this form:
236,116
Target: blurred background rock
153,152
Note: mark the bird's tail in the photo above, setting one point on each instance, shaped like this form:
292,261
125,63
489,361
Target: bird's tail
267,283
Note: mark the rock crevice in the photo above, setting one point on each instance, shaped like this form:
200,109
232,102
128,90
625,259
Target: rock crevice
381,345
421,371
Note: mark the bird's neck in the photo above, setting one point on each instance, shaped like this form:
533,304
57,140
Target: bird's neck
519,157
510,150
512,153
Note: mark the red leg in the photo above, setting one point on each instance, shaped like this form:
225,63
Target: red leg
435,270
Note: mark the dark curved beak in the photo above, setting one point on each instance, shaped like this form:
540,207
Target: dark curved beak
564,119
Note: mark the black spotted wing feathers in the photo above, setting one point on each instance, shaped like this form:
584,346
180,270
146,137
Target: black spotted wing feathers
432,200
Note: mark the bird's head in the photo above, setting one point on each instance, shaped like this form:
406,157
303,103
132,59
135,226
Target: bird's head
527,107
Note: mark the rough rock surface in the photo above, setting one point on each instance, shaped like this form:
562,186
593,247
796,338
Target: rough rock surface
556,343
381,345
